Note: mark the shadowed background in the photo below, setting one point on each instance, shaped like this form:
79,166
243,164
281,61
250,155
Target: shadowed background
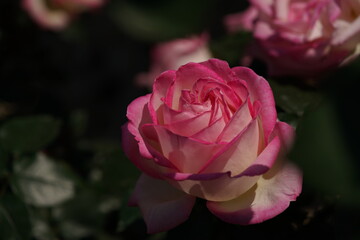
63,99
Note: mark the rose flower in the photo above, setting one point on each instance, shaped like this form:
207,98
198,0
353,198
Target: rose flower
210,132
301,37
57,14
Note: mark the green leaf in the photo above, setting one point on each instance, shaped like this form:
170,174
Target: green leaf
321,151
14,219
42,182
294,100
162,21
28,133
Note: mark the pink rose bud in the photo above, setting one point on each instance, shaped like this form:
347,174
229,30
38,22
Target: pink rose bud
301,38
211,132
171,55
56,14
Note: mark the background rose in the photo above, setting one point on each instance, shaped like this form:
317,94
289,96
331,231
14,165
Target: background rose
173,54
209,131
347,27
56,14
302,38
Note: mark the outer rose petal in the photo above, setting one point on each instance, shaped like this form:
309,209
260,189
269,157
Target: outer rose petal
131,149
259,89
269,197
286,134
298,59
138,115
162,206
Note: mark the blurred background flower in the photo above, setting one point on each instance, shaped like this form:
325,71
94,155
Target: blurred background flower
300,38
57,14
173,54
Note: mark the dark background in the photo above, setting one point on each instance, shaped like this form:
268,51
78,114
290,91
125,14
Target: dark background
64,94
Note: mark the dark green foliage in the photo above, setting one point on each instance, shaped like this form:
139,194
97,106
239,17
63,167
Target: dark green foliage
28,133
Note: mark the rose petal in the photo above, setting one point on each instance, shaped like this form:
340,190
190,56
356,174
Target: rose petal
240,89
186,154
190,126
211,133
237,123
213,186
219,186
138,115
282,9
238,154
47,18
151,140
221,68
344,34
269,197
160,90
265,160
205,85
171,115
261,165
264,5
131,149
263,30
162,206
286,134
186,76
259,89
222,187
178,52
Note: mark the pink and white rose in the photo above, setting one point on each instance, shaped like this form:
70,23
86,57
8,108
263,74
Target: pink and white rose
57,14
211,132
301,37
173,54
